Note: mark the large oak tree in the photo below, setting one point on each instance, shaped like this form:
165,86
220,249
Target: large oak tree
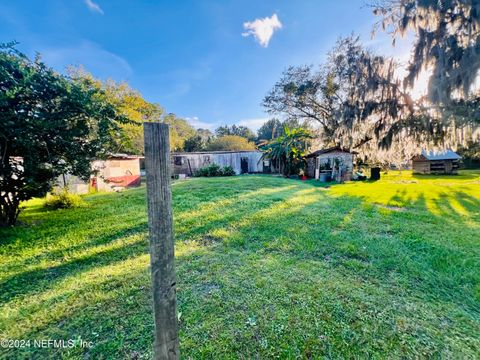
360,103
49,125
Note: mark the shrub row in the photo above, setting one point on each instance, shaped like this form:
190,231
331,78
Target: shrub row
214,170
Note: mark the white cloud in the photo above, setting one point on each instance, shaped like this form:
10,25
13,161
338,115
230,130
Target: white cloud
198,124
262,29
253,124
93,6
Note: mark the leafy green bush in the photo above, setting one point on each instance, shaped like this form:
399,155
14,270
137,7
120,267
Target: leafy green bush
208,171
63,200
228,171
214,170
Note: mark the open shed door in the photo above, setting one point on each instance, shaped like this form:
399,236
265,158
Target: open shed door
244,165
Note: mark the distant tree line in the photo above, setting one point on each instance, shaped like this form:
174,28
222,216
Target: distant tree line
225,138
133,106
235,137
183,136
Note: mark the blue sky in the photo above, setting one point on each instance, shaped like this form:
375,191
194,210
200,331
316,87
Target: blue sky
189,56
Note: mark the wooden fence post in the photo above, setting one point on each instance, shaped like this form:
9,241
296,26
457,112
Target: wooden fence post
160,226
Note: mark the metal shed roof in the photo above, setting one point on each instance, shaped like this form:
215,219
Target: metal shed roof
441,155
329,150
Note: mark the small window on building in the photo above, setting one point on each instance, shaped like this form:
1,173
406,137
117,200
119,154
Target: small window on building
266,163
178,160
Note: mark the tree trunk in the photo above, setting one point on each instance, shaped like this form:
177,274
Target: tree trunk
9,210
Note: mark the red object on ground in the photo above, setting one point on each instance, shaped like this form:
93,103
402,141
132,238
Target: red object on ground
125,181
304,177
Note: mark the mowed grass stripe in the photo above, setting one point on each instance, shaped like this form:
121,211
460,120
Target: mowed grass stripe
267,268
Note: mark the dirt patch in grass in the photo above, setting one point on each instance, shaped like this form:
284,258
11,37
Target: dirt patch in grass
392,208
209,240
406,182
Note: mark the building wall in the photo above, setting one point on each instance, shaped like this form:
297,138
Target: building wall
320,160
116,173
112,174
120,167
346,163
347,158
188,163
421,167
311,167
74,184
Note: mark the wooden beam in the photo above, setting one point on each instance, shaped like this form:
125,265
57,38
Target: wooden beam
160,225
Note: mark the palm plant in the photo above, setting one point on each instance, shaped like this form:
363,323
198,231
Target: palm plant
288,150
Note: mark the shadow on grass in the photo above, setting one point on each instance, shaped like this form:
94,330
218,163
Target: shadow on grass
32,281
25,282
285,258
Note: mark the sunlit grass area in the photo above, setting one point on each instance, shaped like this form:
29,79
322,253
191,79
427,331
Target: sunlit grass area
267,267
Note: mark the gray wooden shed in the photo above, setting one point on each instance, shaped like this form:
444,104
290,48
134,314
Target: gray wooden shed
334,162
241,161
436,162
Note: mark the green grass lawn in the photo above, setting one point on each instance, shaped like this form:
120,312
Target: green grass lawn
267,268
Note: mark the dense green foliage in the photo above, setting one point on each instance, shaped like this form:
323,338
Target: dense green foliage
267,267
235,130
230,143
180,130
131,104
199,141
214,170
288,150
273,128
228,171
194,143
63,200
470,154
49,125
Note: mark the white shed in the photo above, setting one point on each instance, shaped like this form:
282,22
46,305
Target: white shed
241,161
